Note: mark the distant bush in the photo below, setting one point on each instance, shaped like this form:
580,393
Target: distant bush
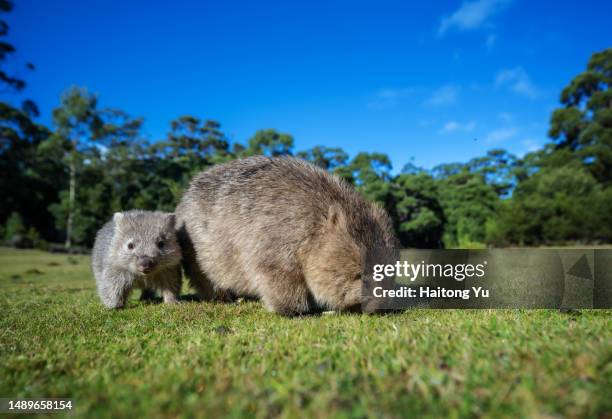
20,241
74,250
33,236
496,232
13,227
15,234
470,245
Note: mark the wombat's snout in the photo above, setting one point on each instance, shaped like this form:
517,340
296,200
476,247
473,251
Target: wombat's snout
145,264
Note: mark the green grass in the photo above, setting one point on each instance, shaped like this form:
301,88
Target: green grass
209,359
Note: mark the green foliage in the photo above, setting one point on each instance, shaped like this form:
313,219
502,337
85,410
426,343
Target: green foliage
584,124
193,139
498,168
12,82
468,203
33,237
559,205
84,136
370,173
328,158
76,119
7,49
497,231
16,234
13,227
28,182
417,213
271,143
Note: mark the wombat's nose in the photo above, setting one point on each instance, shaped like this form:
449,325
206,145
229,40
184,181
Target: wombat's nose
145,264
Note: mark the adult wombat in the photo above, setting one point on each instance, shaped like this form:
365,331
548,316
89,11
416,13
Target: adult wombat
279,229
137,249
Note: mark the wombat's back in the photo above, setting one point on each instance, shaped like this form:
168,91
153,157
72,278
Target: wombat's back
277,190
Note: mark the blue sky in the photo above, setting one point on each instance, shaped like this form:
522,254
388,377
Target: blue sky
435,82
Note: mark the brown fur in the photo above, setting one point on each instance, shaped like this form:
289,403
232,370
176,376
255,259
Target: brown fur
279,229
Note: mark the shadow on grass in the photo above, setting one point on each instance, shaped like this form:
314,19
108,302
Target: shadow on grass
150,297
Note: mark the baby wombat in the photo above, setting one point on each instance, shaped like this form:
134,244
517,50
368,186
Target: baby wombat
279,229
137,249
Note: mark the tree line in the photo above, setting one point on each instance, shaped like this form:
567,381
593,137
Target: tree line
61,183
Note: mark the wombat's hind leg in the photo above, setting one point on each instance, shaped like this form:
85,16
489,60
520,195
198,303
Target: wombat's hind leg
202,286
287,296
225,296
197,280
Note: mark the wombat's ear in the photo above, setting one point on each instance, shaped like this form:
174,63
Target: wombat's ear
171,219
335,216
117,217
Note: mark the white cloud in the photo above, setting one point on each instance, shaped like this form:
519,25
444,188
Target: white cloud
445,95
490,42
388,98
531,144
450,126
453,126
505,116
517,80
471,15
500,135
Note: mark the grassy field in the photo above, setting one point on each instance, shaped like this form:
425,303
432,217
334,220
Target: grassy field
205,359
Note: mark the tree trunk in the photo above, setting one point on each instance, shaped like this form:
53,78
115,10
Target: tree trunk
71,199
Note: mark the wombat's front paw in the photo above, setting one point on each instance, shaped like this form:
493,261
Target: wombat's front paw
170,297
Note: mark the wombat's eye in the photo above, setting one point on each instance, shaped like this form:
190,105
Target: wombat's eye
130,246
161,244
